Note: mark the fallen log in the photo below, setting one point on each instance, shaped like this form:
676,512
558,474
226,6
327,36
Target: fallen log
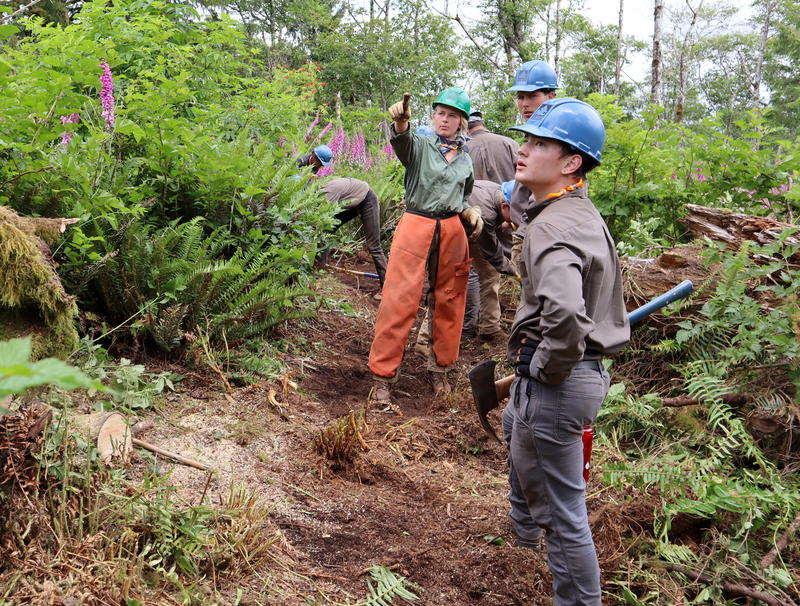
734,228
768,559
727,586
679,401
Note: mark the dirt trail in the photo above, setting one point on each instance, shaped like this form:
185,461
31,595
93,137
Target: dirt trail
427,499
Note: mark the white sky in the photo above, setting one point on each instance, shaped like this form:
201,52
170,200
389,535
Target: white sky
637,20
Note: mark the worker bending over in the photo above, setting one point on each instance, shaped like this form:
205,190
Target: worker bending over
357,199
571,314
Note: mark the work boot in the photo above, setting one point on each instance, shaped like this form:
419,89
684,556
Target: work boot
381,397
421,349
467,336
439,383
493,338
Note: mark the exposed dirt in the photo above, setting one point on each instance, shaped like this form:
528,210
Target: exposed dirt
428,499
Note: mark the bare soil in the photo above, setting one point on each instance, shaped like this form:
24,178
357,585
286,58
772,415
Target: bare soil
428,499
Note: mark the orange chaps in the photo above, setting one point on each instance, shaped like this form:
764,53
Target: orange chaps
440,245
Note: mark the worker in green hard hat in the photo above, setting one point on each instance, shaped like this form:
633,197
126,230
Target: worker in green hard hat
430,242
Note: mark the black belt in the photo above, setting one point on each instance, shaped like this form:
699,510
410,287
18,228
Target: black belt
589,355
429,215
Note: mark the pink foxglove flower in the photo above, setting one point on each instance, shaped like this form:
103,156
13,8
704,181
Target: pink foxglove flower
311,128
107,95
67,135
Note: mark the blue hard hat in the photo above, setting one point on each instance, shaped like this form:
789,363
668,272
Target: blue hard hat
507,188
424,130
534,75
571,121
323,154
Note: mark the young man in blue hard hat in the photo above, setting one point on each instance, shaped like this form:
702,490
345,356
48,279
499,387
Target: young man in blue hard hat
534,83
430,241
321,156
571,314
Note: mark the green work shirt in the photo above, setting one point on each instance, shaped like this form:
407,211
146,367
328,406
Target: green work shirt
433,185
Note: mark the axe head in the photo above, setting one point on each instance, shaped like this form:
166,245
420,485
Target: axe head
481,379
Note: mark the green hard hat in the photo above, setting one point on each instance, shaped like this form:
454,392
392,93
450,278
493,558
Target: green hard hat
454,97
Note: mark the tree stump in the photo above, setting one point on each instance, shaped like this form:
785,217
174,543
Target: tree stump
108,431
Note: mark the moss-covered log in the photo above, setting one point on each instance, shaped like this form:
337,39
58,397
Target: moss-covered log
32,299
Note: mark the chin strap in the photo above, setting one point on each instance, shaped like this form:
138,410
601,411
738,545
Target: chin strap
566,190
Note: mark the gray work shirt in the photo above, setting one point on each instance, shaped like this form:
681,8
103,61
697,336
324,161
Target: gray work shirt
494,157
572,298
350,192
495,237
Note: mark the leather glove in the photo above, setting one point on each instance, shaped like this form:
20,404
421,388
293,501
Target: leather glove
400,111
472,217
524,357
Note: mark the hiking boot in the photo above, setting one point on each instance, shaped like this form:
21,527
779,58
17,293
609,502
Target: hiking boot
439,383
381,397
421,349
467,336
494,338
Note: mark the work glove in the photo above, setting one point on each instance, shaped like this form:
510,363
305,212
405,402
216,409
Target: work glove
400,111
472,217
524,357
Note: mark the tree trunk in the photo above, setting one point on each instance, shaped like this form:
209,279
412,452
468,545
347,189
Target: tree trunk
762,49
655,74
618,70
681,101
108,431
557,50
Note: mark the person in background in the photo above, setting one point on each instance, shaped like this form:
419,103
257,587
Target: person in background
356,199
571,314
430,241
493,156
321,156
534,83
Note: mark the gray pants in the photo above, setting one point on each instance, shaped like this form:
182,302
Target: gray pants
370,212
546,456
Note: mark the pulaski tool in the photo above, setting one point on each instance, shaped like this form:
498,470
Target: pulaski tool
488,393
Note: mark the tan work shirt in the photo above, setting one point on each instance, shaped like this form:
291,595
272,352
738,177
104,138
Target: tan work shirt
494,156
344,189
487,196
572,298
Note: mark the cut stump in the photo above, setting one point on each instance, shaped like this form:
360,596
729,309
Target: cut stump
108,431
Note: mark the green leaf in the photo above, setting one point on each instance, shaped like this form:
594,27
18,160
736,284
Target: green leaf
8,30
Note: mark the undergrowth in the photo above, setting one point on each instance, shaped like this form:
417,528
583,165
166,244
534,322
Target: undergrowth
706,458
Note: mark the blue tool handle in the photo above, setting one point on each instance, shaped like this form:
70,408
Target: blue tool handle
376,276
684,289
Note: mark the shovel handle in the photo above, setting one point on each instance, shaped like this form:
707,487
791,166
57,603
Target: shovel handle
406,99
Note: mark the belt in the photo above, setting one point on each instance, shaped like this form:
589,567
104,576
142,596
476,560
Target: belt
429,215
589,355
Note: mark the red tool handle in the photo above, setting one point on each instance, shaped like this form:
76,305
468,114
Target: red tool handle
588,436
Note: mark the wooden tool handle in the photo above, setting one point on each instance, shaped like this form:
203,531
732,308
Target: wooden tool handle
406,98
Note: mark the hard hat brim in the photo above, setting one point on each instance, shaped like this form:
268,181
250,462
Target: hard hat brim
536,131
459,110
531,88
